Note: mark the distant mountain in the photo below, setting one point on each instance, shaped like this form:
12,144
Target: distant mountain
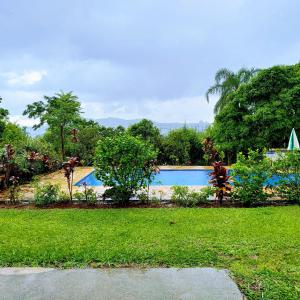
115,122
163,127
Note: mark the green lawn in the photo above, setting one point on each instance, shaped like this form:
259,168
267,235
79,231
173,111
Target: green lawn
260,246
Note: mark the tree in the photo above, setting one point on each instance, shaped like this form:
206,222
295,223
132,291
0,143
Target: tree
146,130
124,163
261,113
3,118
58,112
14,135
183,146
227,82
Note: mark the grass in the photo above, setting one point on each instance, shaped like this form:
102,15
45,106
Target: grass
260,246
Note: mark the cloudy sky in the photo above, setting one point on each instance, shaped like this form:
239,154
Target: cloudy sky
138,58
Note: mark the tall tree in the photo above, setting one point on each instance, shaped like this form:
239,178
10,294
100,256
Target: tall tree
226,82
58,111
261,113
147,131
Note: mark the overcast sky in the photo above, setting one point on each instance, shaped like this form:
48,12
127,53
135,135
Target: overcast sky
135,58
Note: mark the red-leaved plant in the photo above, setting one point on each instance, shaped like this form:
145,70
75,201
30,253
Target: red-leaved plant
209,149
7,159
69,169
220,180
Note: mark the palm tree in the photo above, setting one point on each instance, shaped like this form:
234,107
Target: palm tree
226,82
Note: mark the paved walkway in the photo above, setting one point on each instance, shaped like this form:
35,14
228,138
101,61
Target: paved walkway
113,284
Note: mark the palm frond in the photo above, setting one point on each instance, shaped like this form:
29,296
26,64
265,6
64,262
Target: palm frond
213,90
222,75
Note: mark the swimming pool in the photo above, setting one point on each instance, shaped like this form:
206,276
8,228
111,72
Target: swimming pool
173,177
164,177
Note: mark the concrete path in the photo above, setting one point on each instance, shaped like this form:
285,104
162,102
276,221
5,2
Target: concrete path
113,284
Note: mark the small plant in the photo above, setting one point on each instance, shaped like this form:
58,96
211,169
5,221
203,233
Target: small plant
220,181
287,169
69,169
182,196
88,195
14,190
47,194
250,175
7,160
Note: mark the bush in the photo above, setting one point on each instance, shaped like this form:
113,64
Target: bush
287,168
126,164
182,196
47,194
250,174
88,196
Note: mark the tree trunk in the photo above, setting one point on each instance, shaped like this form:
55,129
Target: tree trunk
62,138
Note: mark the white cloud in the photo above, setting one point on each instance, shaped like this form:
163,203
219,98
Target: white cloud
189,109
22,121
25,78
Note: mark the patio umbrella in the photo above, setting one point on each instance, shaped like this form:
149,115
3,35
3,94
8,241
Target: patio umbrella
293,143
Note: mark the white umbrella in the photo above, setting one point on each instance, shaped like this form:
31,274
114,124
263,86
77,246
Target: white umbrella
293,143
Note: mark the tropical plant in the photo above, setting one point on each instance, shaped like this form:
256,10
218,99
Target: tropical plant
226,82
14,190
47,194
209,149
287,169
261,112
69,169
183,196
124,163
146,130
7,162
89,196
58,112
183,146
250,175
220,181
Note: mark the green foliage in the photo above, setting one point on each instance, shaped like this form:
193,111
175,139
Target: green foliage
14,135
124,163
261,112
3,119
88,196
14,190
58,112
47,194
182,196
287,168
146,130
250,174
183,147
227,82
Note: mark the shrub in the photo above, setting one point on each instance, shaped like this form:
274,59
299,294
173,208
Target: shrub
88,195
14,191
47,194
182,196
126,164
220,180
287,168
250,175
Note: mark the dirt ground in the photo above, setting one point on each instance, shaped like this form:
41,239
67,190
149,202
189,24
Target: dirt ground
57,177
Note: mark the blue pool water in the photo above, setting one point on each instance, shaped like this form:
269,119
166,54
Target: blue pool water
172,177
164,177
